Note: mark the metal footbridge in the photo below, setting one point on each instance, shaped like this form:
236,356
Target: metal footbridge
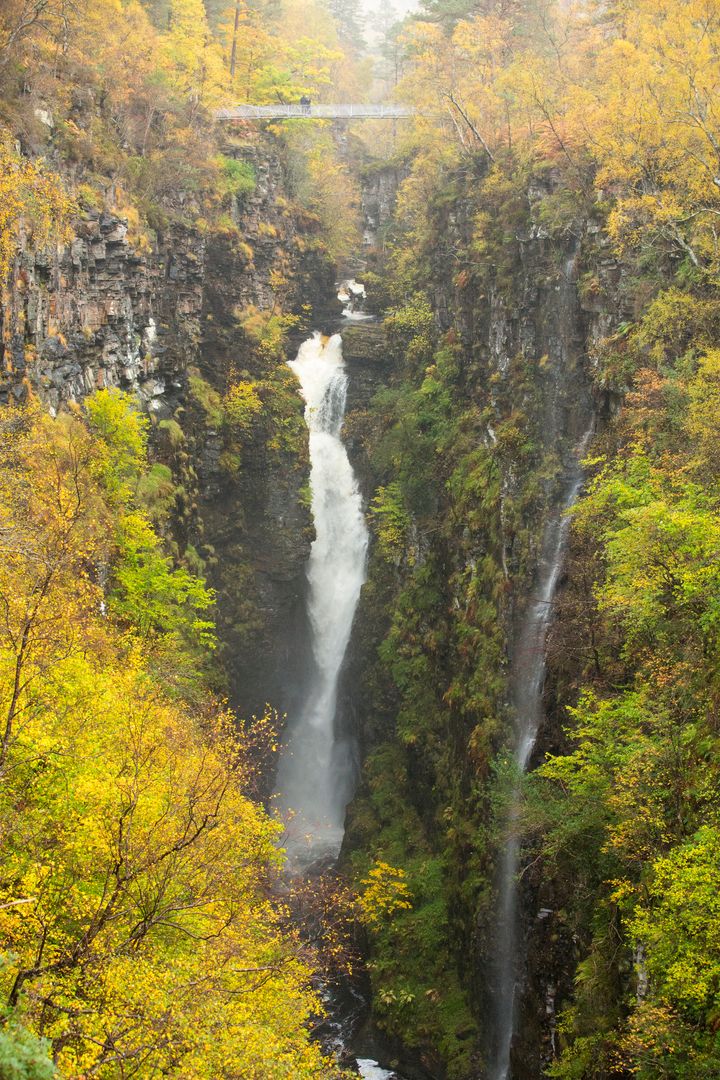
315,112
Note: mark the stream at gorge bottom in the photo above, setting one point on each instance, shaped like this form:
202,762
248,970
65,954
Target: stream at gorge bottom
348,1036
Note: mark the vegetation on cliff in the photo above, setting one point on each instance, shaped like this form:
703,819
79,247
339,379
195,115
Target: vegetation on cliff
628,814
556,223
552,139
120,98
138,931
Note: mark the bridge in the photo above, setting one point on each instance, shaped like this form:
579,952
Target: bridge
315,112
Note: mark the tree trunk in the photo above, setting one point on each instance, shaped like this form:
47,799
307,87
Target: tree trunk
233,54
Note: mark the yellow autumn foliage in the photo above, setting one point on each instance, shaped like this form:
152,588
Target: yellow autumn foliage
621,99
384,893
139,932
33,204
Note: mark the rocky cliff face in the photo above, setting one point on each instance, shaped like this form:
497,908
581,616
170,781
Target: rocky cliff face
489,396
165,324
504,393
256,510
98,313
598,303
378,196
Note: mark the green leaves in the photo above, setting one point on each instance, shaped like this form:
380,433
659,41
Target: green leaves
678,925
123,431
149,594
630,813
237,177
23,1056
145,591
392,523
134,865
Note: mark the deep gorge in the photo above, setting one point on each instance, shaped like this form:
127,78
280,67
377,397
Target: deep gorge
358,643
526,349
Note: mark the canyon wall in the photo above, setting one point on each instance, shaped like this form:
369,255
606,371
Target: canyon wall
172,324
491,375
465,408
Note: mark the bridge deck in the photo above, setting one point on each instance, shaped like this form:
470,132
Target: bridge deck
317,112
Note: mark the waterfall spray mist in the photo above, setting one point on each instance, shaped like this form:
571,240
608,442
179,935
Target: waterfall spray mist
315,772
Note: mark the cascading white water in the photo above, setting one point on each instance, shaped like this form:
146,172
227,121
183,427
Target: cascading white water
526,678
370,1070
315,772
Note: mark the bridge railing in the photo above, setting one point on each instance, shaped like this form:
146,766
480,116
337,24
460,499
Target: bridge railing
320,112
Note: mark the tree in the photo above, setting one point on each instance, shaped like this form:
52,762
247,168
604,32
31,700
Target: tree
249,44
23,1057
21,19
33,204
349,22
657,135
190,56
51,532
134,867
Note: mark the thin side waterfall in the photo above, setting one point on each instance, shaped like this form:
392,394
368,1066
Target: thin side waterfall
526,680
315,772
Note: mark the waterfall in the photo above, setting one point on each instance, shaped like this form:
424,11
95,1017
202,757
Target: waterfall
526,680
315,772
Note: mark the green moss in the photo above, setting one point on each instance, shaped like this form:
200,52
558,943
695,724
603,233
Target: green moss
207,398
237,177
287,431
173,432
230,462
156,492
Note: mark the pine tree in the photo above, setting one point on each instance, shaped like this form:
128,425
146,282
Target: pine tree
349,20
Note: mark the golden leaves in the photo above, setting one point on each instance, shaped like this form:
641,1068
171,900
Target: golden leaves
33,204
385,893
134,867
